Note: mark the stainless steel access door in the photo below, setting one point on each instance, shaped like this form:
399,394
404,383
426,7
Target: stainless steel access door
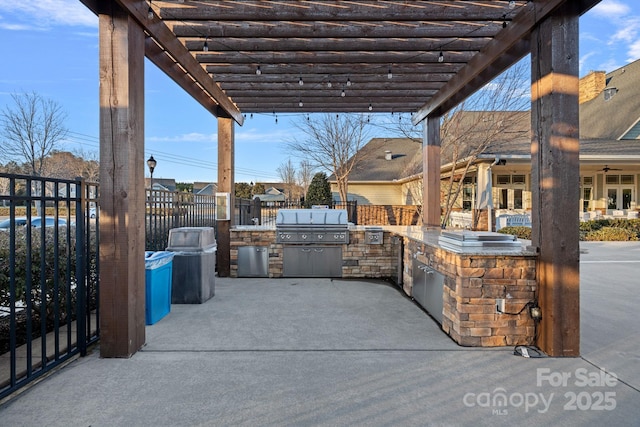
253,261
312,261
428,289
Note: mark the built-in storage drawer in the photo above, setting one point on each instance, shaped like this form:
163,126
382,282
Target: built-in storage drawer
253,261
312,261
428,288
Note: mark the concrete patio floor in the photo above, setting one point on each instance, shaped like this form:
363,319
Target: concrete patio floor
302,352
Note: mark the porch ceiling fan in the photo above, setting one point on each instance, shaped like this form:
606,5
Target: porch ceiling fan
606,169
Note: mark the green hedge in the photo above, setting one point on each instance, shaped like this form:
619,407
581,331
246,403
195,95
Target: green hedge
50,270
521,232
610,230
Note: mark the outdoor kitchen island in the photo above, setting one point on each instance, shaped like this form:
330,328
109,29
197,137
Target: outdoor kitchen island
457,283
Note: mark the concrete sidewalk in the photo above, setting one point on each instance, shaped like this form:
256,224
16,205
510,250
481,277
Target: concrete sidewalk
300,352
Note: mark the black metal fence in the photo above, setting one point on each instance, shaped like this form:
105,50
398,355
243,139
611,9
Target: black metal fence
170,209
49,268
173,209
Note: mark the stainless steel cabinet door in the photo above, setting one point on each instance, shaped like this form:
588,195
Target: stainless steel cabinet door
312,261
253,261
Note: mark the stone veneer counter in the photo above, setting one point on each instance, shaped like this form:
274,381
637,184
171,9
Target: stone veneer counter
359,259
474,278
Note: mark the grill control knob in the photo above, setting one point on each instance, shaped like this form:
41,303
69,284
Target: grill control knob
304,236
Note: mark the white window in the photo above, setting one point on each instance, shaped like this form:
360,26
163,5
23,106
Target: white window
586,193
468,193
510,192
620,191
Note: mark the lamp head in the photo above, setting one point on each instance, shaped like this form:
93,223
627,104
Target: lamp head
151,162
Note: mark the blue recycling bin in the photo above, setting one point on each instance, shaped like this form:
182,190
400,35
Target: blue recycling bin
158,273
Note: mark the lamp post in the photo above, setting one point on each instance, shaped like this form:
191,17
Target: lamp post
151,162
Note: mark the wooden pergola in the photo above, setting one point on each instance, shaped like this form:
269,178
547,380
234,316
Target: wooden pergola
237,57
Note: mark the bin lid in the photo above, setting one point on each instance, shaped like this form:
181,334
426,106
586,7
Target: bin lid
191,239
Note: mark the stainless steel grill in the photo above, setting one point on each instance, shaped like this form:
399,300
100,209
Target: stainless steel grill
312,226
312,241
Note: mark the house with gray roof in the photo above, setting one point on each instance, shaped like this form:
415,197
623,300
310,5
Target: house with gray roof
499,177
205,188
385,164
164,184
272,197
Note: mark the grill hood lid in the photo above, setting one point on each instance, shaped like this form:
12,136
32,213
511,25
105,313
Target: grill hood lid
316,217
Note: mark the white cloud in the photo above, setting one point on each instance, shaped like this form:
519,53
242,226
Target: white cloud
634,51
187,137
611,9
242,135
609,65
44,13
624,39
584,59
14,27
627,31
251,135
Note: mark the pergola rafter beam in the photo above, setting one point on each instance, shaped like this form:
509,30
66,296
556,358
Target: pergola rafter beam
163,36
363,11
291,29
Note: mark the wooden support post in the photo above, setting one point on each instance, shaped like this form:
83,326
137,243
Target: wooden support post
226,184
431,173
555,174
122,192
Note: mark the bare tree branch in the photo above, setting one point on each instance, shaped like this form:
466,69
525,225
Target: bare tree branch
305,175
332,142
31,130
287,173
491,116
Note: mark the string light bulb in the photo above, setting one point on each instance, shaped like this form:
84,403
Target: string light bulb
441,57
370,107
504,21
300,104
348,81
389,74
150,12
342,94
329,84
300,82
258,71
512,4
206,44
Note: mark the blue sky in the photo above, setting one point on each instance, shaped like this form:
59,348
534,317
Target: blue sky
51,47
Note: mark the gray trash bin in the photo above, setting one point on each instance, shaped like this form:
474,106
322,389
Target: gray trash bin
194,264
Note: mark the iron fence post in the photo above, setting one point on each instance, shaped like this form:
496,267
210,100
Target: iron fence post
81,288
